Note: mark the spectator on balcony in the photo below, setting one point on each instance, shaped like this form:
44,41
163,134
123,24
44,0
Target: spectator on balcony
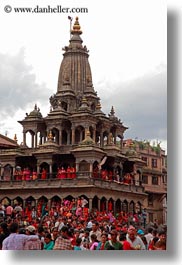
73,172
44,174
68,172
34,175
127,179
62,173
96,172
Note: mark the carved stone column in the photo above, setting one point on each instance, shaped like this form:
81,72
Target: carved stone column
60,137
73,135
24,138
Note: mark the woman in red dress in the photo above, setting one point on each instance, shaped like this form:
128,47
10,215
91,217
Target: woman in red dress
44,174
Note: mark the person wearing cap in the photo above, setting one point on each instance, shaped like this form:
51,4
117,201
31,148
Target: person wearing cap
20,239
135,241
140,233
63,242
113,243
32,244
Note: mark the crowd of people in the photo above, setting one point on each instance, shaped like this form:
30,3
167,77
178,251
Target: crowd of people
71,226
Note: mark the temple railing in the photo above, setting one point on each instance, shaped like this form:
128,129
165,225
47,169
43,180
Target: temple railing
82,179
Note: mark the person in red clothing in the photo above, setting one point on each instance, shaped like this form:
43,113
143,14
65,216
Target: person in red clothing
124,242
62,173
101,244
44,174
68,172
73,173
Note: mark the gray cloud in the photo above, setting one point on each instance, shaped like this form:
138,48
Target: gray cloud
141,104
18,85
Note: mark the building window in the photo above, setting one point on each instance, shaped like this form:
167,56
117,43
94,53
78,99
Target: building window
154,163
150,199
144,158
145,179
151,217
154,180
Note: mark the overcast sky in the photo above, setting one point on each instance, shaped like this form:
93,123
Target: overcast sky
128,57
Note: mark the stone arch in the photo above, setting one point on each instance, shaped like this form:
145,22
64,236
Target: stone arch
42,206
55,200
124,206
64,137
7,172
110,204
79,134
18,201
69,198
132,207
30,201
30,138
95,202
91,129
55,134
84,166
95,169
105,137
138,207
44,165
103,203
5,201
42,199
118,206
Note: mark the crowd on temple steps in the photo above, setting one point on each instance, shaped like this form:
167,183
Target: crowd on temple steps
65,228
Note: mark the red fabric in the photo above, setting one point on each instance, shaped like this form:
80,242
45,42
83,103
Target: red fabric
126,245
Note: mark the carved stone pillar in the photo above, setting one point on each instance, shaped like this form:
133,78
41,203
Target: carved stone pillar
36,139
94,135
32,140
60,137
73,135
68,138
24,138
90,204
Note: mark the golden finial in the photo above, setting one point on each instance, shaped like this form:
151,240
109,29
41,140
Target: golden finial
50,136
76,27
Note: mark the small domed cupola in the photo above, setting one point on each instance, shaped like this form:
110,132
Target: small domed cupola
34,114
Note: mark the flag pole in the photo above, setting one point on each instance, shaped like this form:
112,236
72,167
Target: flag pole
70,19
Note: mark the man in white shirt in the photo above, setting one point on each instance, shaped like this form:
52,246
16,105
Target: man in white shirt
135,241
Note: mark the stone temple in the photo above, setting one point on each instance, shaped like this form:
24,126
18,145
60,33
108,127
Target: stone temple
76,150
